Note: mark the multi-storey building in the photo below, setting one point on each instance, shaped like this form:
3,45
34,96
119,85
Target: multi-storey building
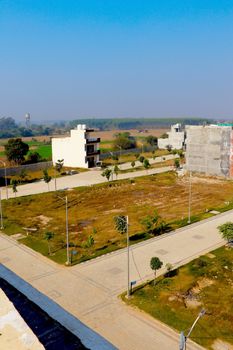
77,150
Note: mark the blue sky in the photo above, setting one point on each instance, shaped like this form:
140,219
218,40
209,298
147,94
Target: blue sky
63,59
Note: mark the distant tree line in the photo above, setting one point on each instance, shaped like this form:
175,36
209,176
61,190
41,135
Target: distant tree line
9,128
137,123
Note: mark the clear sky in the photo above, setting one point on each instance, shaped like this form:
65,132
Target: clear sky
63,59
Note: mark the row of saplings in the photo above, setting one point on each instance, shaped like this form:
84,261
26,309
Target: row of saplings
152,224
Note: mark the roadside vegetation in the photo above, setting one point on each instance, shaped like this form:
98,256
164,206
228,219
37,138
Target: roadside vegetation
155,204
177,297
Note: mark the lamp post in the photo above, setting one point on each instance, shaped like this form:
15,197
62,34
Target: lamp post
1,211
65,199
183,338
4,164
190,197
122,225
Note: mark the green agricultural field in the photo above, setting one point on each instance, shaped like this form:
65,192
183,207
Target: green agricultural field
45,151
177,299
92,210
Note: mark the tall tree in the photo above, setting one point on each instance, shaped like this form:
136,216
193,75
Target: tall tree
15,150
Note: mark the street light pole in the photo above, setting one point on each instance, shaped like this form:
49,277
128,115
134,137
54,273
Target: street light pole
1,211
183,338
190,197
67,229
128,276
4,164
67,234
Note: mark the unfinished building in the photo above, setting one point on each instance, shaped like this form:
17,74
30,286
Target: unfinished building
209,150
175,139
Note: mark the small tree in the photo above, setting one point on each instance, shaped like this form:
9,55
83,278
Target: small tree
115,157
59,165
155,264
169,268
152,140
141,159
107,173
177,163
49,236
116,170
90,242
22,175
133,164
47,178
146,164
227,231
33,157
14,184
121,223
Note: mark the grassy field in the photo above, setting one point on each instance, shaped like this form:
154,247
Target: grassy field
92,210
176,300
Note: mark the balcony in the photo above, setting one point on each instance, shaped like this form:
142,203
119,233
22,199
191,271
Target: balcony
93,140
91,153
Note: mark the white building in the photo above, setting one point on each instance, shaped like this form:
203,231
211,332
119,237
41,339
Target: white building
175,140
78,150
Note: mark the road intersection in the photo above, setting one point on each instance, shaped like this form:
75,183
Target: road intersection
89,290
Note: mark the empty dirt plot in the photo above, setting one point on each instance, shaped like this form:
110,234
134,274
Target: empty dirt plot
109,134
92,209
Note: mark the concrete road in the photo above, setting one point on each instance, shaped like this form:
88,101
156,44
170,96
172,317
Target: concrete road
70,181
89,291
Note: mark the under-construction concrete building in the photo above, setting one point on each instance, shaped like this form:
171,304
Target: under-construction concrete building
209,149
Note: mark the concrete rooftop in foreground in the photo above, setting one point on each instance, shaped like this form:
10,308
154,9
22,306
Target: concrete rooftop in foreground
14,332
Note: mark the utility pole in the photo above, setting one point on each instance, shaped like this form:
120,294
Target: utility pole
190,197
128,276
183,338
67,234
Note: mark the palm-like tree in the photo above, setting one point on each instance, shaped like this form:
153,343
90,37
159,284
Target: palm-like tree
49,236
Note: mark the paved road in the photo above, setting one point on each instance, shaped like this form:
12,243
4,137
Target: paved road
70,181
89,291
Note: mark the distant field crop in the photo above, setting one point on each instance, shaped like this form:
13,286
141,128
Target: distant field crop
45,151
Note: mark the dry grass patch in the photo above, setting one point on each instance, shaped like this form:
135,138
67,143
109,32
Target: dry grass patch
92,210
